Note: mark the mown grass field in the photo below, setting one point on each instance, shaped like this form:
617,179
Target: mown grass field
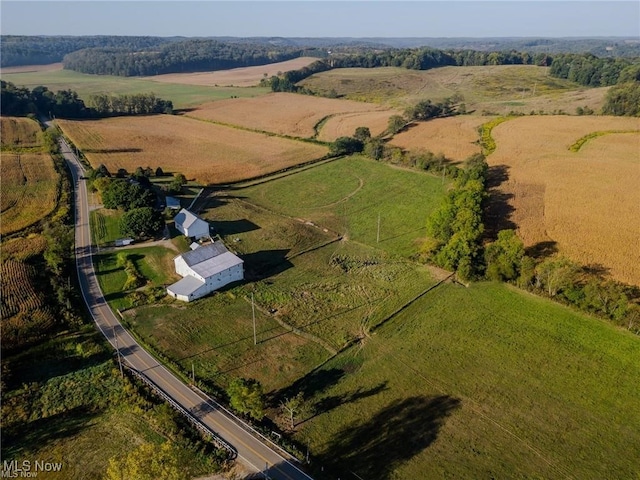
283,113
348,196
200,150
480,382
29,179
182,96
493,88
105,226
587,202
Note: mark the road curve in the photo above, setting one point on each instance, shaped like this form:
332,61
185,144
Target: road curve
252,449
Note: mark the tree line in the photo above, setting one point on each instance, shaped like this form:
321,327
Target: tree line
19,101
185,56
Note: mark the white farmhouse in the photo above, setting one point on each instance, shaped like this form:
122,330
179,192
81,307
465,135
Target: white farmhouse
191,225
205,269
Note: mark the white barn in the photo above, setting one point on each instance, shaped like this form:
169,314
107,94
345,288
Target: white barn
204,270
191,225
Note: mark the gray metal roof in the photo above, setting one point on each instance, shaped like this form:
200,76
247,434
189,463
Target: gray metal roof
217,264
204,253
186,286
186,218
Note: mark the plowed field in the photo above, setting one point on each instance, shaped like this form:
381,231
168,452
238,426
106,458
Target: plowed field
588,201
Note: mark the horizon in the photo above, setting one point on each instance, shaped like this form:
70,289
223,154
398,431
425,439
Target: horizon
324,19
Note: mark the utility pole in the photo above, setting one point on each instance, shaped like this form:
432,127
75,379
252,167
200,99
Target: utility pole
193,374
378,236
118,352
253,315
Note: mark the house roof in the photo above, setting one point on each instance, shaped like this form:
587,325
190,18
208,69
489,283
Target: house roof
173,202
186,286
210,259
187,219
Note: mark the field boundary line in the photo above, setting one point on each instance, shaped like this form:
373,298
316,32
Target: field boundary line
578,144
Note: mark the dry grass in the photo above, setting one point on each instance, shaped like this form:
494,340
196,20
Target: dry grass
280,113
19,132
29,189
587,201
344,125
455,137
203,151
237,77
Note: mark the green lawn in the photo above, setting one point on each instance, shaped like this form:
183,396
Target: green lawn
182,96
154,263
105,226
480,382
351,194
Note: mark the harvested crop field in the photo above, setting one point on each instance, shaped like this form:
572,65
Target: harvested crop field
19,132
50,67
237,77
29,189
203,151
588,201
281,113
455,137
344,125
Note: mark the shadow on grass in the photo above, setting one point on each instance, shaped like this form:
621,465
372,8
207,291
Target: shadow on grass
233,227
265,263
390,438
35,435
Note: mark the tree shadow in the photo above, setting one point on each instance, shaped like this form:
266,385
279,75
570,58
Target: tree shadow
112,150
498,211
233,227
330,402
265,263
497,175
596,269
310,385
397,433
542,250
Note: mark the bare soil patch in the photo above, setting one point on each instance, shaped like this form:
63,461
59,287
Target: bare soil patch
455,137
281,113
237,77
33,68
203,151
588,202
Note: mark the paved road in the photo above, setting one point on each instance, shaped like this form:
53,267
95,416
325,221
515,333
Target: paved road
255,453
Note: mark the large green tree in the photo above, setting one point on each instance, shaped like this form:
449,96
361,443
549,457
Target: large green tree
246,396
141,222
126,195
504,256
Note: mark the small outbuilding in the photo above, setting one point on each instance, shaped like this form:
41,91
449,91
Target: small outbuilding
205,270
173,203
191,225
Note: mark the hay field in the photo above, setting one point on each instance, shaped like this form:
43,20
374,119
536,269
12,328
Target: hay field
456,137
203,151
281,113
586,201
50,67
344,125
29,190
19,132
237,77
492,88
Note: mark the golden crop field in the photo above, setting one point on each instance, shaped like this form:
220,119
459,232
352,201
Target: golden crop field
344,125
237,77
455,137
29,190
19,132
281,113
588,201
200,150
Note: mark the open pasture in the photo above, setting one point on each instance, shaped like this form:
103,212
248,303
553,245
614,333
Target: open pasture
17,132
588,201
204,151
455,137
507,384
349,195
493,88
29,190
281,113
182,96
236,77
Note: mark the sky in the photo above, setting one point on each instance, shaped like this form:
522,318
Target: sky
323,18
